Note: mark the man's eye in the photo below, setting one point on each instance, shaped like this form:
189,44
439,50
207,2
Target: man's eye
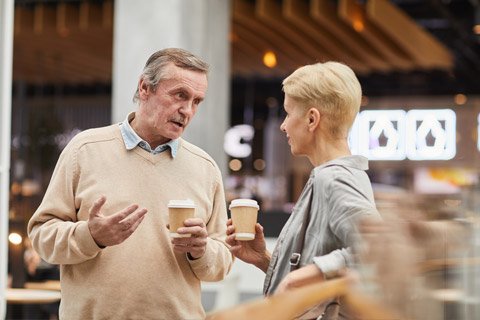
181,95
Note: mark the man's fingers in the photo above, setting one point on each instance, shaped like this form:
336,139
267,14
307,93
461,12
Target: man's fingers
97,205
230,230
230,240
131,222
194,222
119,216
195,231
137,223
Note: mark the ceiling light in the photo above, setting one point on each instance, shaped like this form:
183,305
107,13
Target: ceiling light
358,25
476,29
476,26
460,99
15,238
235,165
270,59
259,164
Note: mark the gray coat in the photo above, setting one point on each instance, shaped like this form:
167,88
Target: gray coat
339,192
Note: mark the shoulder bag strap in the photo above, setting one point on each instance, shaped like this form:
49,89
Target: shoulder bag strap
297,252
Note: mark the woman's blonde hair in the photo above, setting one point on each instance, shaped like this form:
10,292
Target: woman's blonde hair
332,88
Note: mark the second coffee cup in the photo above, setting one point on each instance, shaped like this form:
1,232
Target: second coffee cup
178,212
244,218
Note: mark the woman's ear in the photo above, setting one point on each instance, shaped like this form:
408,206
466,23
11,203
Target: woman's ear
313,119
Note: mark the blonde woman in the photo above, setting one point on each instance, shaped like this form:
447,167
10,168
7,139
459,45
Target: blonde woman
321,102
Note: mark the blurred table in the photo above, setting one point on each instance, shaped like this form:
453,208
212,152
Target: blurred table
31,296
44,285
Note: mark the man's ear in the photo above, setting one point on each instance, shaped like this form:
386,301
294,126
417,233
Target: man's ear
143,89
313,116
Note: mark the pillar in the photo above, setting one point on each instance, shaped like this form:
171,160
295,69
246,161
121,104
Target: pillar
199,26
6,43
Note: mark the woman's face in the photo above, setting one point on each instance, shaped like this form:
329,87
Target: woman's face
295,126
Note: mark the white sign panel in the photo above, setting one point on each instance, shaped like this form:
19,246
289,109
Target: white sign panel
382,134
396,134
433,134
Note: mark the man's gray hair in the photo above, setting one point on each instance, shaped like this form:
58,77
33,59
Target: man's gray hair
154,70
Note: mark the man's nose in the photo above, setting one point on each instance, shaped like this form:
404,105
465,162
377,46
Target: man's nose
187,108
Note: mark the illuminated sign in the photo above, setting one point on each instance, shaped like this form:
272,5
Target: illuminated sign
382,134
236,141
396,134
433,134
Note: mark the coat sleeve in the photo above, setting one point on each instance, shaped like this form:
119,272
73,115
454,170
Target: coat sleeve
55,233
217,261
347,203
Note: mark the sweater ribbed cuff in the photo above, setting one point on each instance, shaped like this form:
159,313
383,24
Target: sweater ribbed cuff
86,243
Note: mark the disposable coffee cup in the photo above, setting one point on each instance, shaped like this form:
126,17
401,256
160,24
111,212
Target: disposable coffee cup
244,217
178,212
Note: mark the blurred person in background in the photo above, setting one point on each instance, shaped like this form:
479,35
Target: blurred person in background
117,261
38,270
321,103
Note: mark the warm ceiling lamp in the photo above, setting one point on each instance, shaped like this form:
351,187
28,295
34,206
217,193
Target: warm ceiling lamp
476,29
15,238
270,59
358,25
460,99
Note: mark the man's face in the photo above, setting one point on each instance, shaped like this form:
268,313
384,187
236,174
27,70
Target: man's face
167,111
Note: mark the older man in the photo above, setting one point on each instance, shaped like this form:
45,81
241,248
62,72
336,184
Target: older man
118,261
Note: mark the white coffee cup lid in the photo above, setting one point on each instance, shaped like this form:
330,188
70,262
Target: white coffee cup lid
244,203
181,203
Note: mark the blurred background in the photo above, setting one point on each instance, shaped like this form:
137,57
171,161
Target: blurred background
76,62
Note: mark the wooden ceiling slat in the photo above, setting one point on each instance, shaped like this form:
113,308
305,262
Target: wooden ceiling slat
427,51
38,69
253,55
67,17
44,18
297,13
80,61
245,56
72,41
244,15
23,20
238,67
284,63
269,11
324,13
354,14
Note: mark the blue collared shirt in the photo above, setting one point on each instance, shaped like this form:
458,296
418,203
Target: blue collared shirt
131,139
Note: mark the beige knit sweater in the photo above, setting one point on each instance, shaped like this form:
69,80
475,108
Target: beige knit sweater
141,278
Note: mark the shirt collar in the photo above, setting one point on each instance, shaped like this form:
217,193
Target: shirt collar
132,139
352,161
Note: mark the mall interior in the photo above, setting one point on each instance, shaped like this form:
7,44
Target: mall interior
71,65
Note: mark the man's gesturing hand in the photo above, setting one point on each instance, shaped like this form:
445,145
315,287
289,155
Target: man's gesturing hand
113,229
